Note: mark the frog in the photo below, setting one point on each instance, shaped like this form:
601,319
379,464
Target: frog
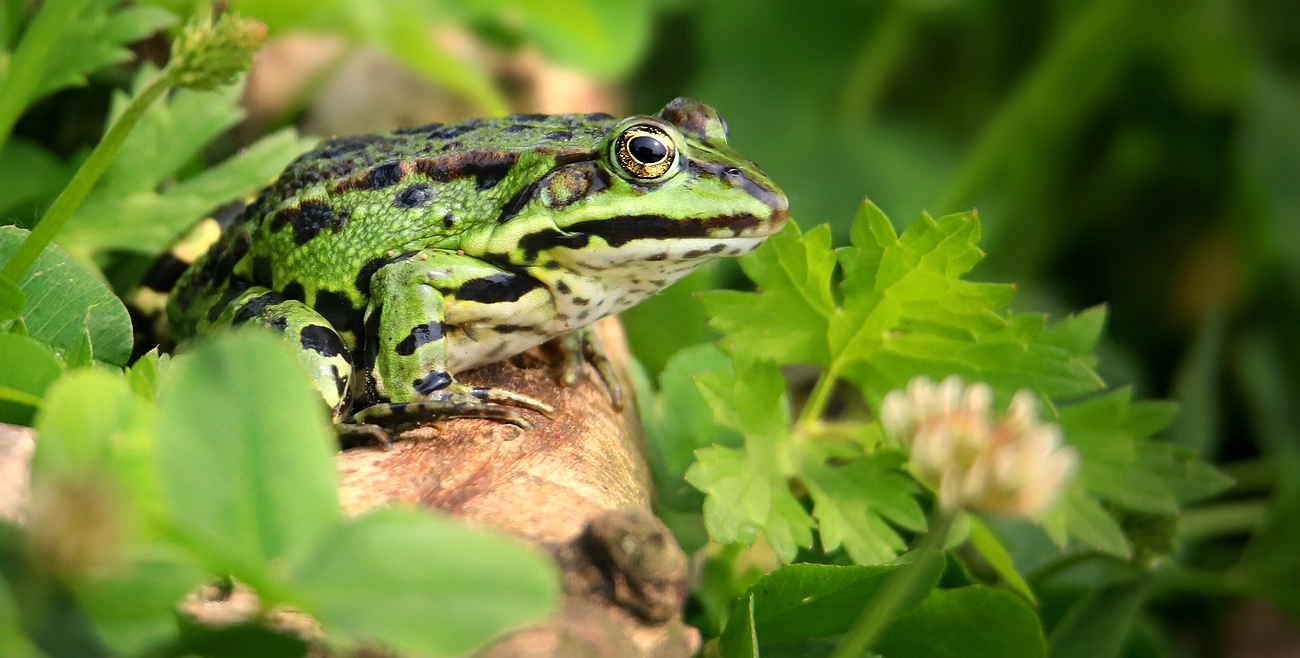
392,262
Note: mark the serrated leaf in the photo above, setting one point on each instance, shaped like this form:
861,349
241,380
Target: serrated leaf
1089,523
136,208
853,501
64,300
1079,332
746,489
906,312
684,424
786,319
97,39
1123,465
744,496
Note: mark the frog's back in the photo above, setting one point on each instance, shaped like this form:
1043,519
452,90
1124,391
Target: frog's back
338,212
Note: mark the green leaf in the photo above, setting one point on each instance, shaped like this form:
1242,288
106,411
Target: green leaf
991,548
1098,625
1078,333
906,312
1270,559
83,415
746,489
685,424
12,299
27,368
1197,426
81,353
93,423
967,622
13,641
1122,465
424,585
136,206
245,452
787,319
853,500
64,301
817,600
97,38
742,497
1086,520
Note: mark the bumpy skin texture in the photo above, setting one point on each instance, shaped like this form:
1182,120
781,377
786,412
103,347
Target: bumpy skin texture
395,260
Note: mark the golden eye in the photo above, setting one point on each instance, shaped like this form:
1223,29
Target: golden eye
645,151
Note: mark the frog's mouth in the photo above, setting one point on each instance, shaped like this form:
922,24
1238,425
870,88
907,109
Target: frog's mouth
619,231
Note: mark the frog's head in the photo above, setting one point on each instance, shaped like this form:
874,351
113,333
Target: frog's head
659,190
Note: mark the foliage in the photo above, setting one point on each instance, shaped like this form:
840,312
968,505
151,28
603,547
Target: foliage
201,483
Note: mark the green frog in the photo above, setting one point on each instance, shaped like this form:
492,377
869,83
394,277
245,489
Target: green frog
393,261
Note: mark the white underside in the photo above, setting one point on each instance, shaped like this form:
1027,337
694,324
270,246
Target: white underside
608,280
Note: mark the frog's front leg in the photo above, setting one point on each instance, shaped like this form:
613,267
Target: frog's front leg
407,350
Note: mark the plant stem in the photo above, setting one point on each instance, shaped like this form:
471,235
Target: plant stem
821,393
28,64
883,607
71,197
1223,519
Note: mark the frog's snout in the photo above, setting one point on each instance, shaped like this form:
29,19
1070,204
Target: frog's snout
773,199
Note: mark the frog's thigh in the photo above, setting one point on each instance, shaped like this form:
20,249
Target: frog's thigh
313,338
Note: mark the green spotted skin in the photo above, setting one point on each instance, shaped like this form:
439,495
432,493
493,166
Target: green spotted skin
395,260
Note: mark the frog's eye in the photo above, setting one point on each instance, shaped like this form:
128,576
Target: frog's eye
645,151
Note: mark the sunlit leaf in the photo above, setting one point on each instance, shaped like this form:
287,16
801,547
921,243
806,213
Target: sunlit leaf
64,301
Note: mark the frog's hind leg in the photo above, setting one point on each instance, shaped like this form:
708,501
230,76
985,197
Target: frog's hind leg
315,341
580,347
406,349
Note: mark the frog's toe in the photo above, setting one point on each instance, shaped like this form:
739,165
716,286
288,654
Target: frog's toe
513,399
396,414
580,347
352,434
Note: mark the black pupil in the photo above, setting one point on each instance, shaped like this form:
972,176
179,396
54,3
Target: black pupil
647,150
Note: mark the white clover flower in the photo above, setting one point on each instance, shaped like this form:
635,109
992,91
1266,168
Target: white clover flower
1015,466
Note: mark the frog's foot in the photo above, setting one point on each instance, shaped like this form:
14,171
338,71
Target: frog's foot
455,401
581,347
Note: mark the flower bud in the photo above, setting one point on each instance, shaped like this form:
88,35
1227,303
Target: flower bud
207,55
